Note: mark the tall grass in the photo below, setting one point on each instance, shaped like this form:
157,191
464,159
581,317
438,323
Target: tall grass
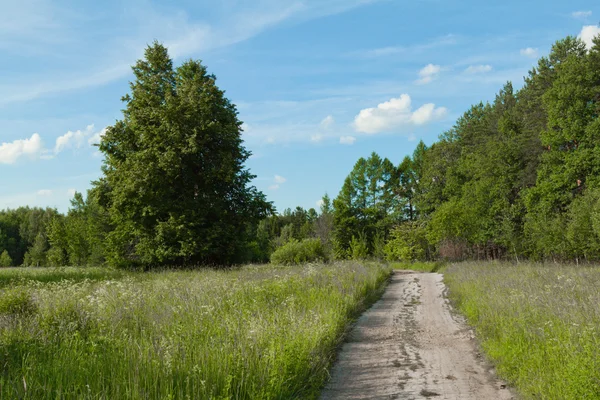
263,332
17,276
539,323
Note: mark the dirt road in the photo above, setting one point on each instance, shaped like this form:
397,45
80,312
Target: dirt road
409,346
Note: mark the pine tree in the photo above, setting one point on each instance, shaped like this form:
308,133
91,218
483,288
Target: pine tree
174,182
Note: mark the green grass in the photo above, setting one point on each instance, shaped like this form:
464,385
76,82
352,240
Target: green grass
18,276
540,324
420,266
259,332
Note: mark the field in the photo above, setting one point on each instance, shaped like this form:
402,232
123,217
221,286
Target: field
420,266
254,332
539,323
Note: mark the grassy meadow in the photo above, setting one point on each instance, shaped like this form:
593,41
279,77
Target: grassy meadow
256,332
540,324
419,266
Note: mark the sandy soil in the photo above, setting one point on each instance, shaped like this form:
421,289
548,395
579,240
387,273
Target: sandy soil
410,346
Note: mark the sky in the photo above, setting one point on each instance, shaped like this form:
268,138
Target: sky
317,83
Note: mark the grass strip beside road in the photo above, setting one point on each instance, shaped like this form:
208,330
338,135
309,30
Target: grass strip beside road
540,324
266,332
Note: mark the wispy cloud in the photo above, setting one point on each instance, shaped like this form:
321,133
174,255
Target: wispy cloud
347,140
478,69
530,52
581,14
327,122
278,181
31,24
428,73
44,192
36,21
447,40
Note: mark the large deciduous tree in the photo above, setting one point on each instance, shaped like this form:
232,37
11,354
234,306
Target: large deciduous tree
174,185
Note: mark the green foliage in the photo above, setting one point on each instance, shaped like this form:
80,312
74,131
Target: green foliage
174,183
359,248
17,302
421,266
5,259
408,242
511,177
298,252
22,229
257,332
584,240
538,323
18,276
36,256
379,246
367,203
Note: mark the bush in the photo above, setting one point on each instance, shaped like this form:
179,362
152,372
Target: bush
17,301
5,260
296,252
408,242
583,239
359,248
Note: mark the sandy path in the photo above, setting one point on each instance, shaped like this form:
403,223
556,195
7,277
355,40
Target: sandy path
409,346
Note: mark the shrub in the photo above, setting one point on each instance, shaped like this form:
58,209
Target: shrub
583,239
297,252
17,301
5,260
408,242
379,246
359,248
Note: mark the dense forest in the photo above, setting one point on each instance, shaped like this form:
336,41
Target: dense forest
515,178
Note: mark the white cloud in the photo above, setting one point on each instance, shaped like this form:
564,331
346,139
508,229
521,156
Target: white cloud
581,14
320,203
588,33
44,192
348,140
77,139
478,69
11,152
73,139
316,138
530,52
274,187
428,73
280,179
34,148
395,114
96,137
71,192
327,122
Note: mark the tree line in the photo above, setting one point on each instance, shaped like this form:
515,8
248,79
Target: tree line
518,177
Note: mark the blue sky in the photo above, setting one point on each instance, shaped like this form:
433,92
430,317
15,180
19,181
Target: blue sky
318,83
